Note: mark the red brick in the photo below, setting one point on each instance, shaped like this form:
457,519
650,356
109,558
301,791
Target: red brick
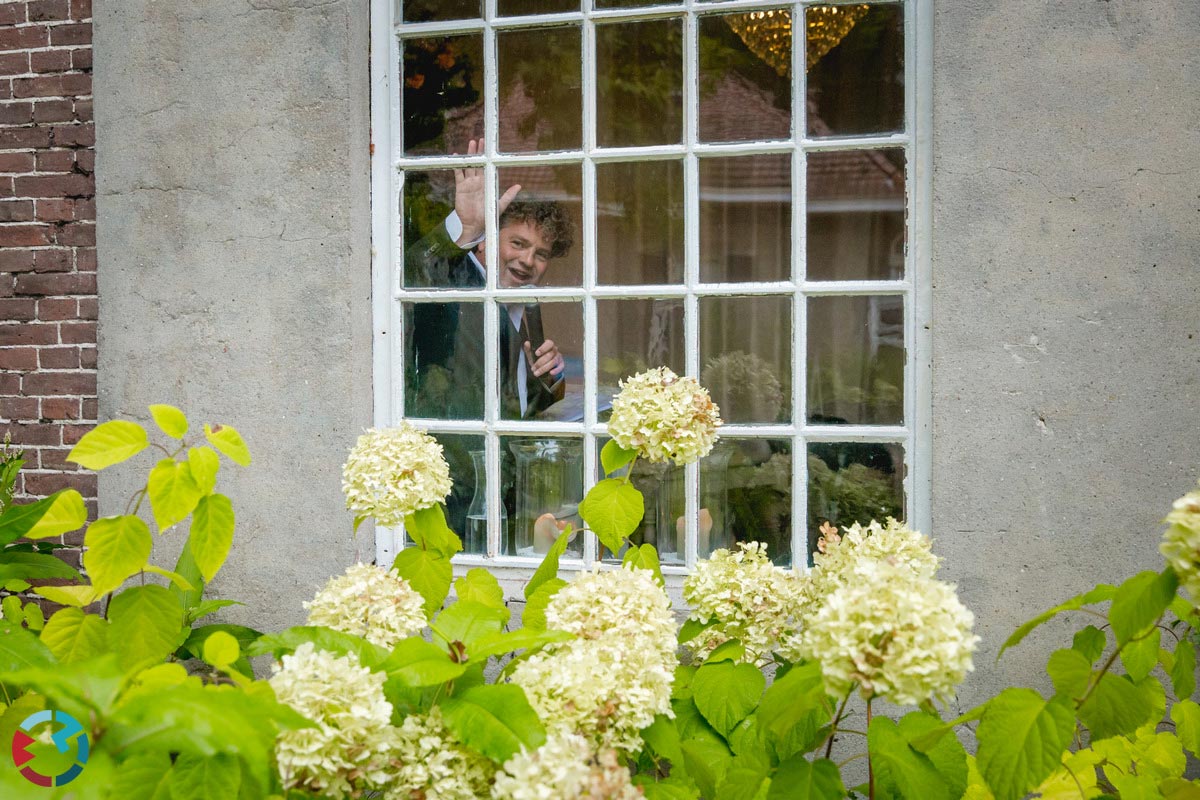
71,34
13,63
56,283
69,85
85,259
58,357
19,358
83,110
55,161
16,112
73,185
18,408
50,309
24,235
53,111
47,384
17,309
86,160
50,61
47,484
53,458
87,358
16,162
78,332
16,210
21,138
34,433
81,9
80,135
71,434
85,209
78,234
6,284
81,59
28,333
54,210
45,10
51,260
24,38
10,382
90,407
60,408
16,260
12,12
89,308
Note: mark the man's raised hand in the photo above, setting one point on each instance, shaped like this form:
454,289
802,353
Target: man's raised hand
470,198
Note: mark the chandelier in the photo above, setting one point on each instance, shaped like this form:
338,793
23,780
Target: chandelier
768,34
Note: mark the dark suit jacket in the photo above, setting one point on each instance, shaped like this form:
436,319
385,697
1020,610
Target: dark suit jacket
444,349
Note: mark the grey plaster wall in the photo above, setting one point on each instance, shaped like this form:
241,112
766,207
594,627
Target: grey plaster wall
234,233
1066,250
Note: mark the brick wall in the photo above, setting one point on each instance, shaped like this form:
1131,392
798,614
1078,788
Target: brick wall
47,241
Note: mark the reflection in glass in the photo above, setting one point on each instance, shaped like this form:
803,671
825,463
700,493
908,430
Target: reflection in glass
855,59
746,218
427,200
662,488
633,3
442,95
756,475
639,222
468,484
551,197
516,8
745,76
856,360
855,215
639,91
430,10
636,335
853,482
540,95
443,360
745,356
543,488
548,396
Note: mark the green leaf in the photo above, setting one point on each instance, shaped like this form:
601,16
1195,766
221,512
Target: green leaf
465,621
496,644
109,443
416,662
186,566
174,577
747,778
480,586
173,492
205,464
731,650
534,615
663,738
145,625
229,442
426,571
672,788
1070,671
206,607
798,779
427,527
692,725
1119,706
1186,716
644,557
613,509
1140,655
74,636
1097,595
548,569
145,775
1183,668
794,708
35,566
277,644
170,420
1021,740
1140,601
899,768
204,777
726,693
706,762
77,596
211,533
693,628
79,688
117,547
20,649
495,720
1090,642
613,456
55,515
193,645
946,753
221,649
1179,789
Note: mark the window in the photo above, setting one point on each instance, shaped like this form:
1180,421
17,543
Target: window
687,198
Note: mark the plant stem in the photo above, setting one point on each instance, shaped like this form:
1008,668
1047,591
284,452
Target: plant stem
1108,665
870,761
855,757
836,719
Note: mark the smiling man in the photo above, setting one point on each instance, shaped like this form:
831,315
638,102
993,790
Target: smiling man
444,351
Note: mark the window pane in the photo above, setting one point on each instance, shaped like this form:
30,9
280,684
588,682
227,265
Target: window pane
548,212
746,218
633,3
746,488
442,95
428,10
431,258
639,93
465,455
636,335
745,76
443,360
855,57
853,482
746,356
662,487
540,95
856,215
543,486
556,394
639,224
856,360
514,8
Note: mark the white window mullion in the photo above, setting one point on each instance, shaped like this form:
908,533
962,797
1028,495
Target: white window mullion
591,333
491,315
691,314
918,82
799,299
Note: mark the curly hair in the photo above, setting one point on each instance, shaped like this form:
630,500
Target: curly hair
549,217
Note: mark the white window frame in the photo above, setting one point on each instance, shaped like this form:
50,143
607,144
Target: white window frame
388,164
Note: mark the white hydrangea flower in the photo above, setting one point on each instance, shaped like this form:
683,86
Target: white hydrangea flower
350,748
664,417
393,472
431,763
1181,542
371,602
612,679
564,768
751,600
896,634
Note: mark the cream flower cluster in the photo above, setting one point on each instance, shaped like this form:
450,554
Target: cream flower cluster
430,763
750,599
349,749
896,634
393,472
371,602
664,417
612,679
1181,542
564,768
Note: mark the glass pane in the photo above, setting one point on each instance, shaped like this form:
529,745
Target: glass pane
540,95
635,335
662,487
547,214
432,259
745,76
639,93
633,3
746,489
856,215
443,360
541,361
746,218
464,453
542,486
515,8
428,10
442,96
746,356
853,482
639,222
855,62
856,360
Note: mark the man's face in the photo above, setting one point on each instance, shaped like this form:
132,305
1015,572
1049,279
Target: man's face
524,255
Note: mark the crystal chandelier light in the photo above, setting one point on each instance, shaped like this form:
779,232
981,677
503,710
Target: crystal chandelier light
768,34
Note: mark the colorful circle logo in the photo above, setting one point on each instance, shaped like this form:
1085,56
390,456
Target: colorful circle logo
71,729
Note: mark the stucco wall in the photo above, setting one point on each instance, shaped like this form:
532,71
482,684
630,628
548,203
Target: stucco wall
235,238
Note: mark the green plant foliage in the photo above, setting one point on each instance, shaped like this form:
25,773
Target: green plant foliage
644,557
480,586
613,508
613,456
148,624
285,642
204,463
211,533
466,621
1139,602
800,779
1097,595
428,572
229,443
495,720
109,443
903,771
547,571
55,515
534,615
173,492
71,635
1021,740
170,420
726,693
117,547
